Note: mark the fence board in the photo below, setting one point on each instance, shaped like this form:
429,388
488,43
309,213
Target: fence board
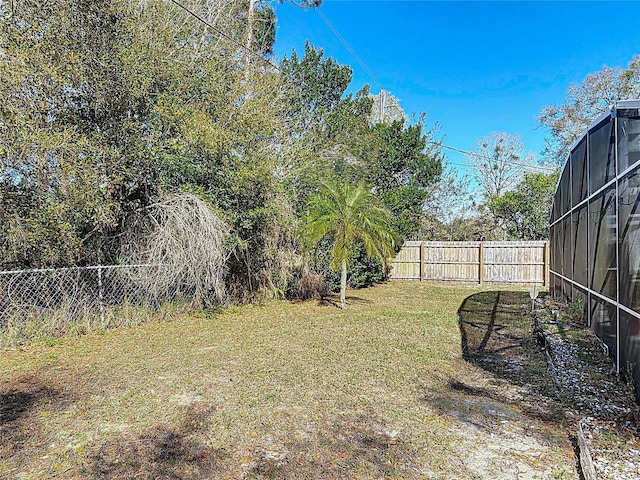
498,262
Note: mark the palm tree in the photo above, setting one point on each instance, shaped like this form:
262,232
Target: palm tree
349,213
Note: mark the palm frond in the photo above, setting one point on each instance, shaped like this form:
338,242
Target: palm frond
349,213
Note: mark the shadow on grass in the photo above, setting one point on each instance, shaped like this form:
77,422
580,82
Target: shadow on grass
347,448
496,336
24,402
496,331
334,300
161,452
17,403
340,450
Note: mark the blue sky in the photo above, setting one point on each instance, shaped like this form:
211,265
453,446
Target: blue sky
473,67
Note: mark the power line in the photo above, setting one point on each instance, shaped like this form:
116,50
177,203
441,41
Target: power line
348,47
296,83
221,33
372,76
478,155
362,64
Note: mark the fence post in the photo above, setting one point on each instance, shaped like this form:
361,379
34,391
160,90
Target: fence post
421,260
481,263
100,297
545,266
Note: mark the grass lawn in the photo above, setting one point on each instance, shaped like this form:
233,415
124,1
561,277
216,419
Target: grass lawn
281,390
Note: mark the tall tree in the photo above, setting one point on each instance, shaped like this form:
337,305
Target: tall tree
526,209
347,214
403,165
64,143
320,84
261,23
584,103
326,128
94,128
261,27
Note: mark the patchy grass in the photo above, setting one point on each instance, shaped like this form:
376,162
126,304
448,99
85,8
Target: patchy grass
50,326
284,390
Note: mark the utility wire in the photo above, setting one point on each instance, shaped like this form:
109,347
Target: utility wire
362,64
375,80
478,155
297,83
348,47
221,33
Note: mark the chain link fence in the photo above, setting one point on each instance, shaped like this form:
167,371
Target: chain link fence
89,296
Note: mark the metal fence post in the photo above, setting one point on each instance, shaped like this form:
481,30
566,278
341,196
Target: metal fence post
100,296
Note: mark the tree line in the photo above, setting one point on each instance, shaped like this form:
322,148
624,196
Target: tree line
129,127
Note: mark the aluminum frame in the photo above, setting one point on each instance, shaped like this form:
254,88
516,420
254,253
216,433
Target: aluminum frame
562,268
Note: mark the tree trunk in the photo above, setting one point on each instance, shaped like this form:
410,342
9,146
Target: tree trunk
250,14
343,285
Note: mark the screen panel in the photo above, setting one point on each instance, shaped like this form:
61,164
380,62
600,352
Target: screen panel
555,285
602,243
630,348
580,295
579,232
552,250
558,246
628,138
602,165
604,323
579,173
564,189
567,247
629,239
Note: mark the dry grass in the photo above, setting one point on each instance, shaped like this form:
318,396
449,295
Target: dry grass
280,390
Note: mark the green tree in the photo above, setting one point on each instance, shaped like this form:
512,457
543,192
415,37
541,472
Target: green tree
65,116
403,167
525,210
349,213
326,128
499,162
261,22
95,129
450,201
321,83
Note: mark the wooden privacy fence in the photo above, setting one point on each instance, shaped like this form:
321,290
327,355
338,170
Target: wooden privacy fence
499,262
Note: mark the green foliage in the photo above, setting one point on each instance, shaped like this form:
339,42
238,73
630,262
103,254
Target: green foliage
60,75
363,271
263,26
576,309
525,211
95,127
366,271
322,83
475,227
347,214
329,128
403,170
106,107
